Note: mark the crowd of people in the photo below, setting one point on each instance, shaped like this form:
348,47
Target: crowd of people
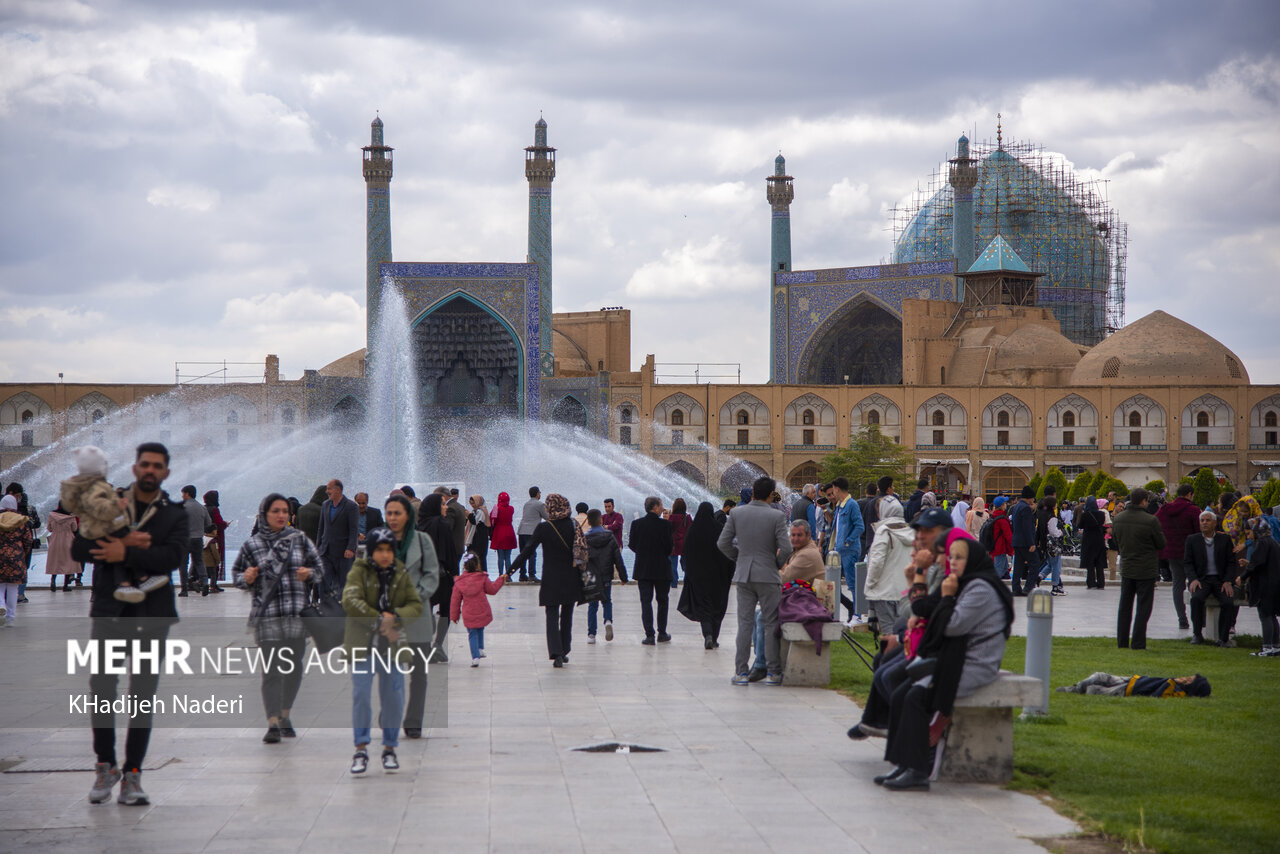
938,581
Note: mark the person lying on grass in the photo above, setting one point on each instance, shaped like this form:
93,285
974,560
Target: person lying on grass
1140,686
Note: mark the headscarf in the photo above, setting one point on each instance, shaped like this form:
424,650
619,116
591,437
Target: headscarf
481,512
211,499
745,495
265,533
406,541
435,526
557,507
503,499
9,503
929,500
979,504
953,535
702,533
1237,518
981,565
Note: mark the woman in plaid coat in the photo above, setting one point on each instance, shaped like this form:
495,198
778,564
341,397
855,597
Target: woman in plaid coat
277,562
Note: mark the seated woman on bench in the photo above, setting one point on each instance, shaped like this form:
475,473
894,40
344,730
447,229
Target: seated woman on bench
961,652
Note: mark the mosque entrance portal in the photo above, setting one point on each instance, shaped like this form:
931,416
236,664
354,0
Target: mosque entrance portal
468,361
862,345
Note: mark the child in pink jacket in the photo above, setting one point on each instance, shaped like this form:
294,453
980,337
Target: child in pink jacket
471,592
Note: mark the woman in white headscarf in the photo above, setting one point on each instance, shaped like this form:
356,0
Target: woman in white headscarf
891,550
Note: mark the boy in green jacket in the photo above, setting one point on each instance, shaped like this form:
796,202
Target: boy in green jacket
380,599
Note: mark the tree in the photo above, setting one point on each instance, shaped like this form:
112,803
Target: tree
870,456
1269,495
1116,485
1034,483
1059,480
1100,479
1227,487
1156,486
1207,489
1080,486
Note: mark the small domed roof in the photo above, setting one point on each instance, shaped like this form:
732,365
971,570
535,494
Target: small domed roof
1032,347
779,160
541,123
377,122
1160,349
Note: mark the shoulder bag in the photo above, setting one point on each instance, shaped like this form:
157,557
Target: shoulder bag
323,618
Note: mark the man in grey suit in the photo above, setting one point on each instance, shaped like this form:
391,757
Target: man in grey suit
337,535
755,539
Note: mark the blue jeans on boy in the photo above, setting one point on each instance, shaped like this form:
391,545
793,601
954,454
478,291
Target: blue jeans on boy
1052,566
390,698
476,638
593,607
1002,564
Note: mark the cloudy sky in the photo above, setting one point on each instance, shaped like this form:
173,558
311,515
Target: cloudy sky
181,181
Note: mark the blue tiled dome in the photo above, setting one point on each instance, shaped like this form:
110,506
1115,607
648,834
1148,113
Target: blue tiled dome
1043,224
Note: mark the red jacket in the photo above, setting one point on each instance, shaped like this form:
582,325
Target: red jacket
471,592
1003,533
502,535
1178,519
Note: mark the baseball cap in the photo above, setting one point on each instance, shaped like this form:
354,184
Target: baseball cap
934,517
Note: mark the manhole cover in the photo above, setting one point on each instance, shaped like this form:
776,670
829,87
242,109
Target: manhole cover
618,747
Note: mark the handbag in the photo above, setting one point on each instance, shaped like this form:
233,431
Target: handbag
323,618
592,587
1241,587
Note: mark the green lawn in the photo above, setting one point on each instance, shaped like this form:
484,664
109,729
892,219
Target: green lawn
1185,775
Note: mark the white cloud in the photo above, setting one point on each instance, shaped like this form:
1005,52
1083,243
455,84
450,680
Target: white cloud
185,197
693,272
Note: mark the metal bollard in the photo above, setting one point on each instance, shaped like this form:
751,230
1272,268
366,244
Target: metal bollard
1039,645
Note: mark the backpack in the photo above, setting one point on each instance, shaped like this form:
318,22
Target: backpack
987,534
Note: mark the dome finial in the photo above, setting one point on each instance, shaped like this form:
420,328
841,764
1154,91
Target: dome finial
999,133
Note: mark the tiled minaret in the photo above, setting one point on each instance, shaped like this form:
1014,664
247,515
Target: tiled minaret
377,181
779,191
963,177
540,170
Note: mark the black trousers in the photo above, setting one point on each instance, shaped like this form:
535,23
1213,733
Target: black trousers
283,677
1226,618
890,673
1024,574
909,716
559,629
532,565
142,685
416,701
711,628
1143,591
194,568
649,590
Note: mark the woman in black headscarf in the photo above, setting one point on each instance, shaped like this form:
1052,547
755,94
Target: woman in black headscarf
561,587
1093,548
708,574
433,523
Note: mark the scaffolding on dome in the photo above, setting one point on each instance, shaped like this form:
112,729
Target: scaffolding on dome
1059,223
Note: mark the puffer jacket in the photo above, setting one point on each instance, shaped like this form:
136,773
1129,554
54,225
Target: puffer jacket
470,601
15,539
96,503
360,601
604,556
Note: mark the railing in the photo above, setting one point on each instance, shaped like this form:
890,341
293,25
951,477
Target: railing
662,372
683,446
1264,447
746,447
1139,448
808,447
1006,447
943,447
1071,447
1208,447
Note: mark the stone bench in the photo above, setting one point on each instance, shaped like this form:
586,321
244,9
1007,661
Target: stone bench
979,746
801,664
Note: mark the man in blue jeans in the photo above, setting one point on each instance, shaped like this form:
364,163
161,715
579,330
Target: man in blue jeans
603,557
846,538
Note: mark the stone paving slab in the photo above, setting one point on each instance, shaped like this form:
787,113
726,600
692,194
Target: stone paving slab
744,769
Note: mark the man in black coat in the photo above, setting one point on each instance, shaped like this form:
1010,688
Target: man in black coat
912,508
337,536
154,545
651,540
1208,558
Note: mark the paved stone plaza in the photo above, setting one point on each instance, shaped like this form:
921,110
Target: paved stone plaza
744,769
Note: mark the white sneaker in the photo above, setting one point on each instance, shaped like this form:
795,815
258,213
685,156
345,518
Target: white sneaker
591,638
608,630
475,662
132,595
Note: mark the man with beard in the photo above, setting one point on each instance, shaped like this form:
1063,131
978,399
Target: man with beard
156,542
